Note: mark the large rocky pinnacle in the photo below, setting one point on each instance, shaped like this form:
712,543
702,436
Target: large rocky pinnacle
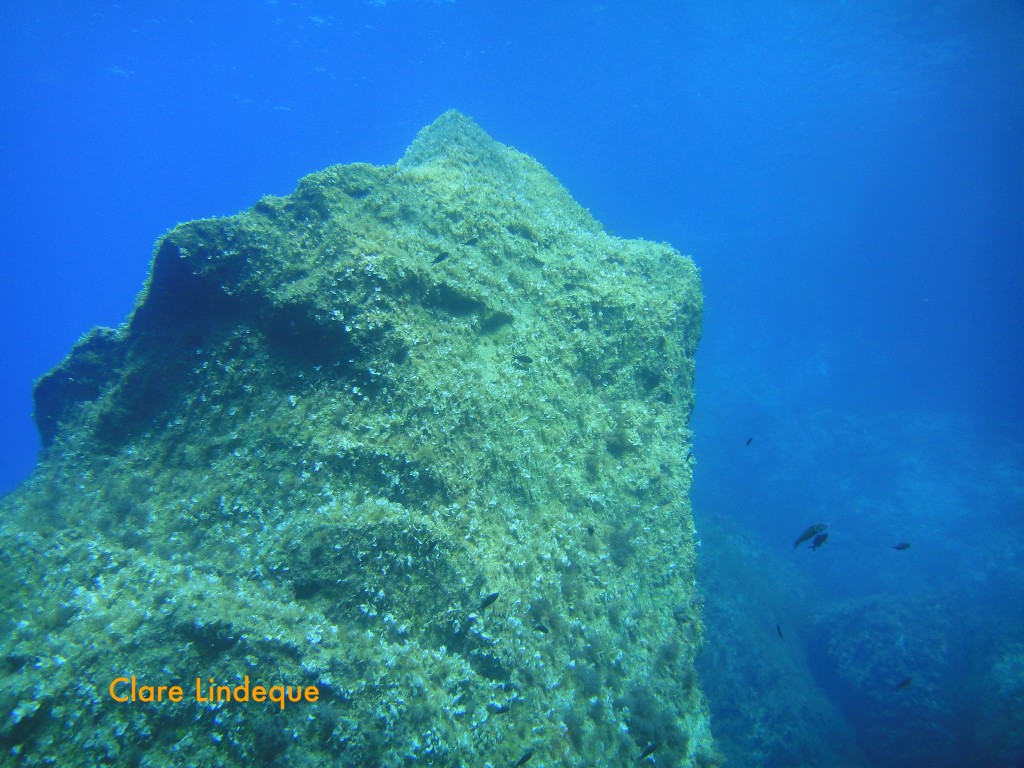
413,437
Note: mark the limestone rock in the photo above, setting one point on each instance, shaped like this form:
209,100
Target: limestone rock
415,435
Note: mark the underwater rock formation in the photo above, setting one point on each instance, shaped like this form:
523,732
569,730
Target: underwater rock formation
752,595
415,436
999,715
892,661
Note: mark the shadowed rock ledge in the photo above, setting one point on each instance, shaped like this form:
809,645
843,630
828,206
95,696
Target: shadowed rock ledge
415,435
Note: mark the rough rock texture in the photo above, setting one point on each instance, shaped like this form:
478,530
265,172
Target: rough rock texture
416,435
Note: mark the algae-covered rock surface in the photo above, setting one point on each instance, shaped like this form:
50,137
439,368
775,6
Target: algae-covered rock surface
408,448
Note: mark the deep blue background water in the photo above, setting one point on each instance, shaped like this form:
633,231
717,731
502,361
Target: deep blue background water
848,176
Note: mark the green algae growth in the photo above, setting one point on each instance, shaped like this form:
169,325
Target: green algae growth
416,436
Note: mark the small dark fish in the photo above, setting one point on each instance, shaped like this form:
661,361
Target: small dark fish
749,441
524,759
903,683
522,360
542,629
498,709
779,630
902,545
648,752
441,257
489,600
820,539
810,533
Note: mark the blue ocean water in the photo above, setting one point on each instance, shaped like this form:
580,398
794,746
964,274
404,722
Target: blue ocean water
849,177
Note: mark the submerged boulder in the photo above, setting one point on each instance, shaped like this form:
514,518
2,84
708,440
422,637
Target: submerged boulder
415,437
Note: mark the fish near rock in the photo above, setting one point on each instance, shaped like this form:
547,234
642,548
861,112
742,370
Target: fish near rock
810,533
527,756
